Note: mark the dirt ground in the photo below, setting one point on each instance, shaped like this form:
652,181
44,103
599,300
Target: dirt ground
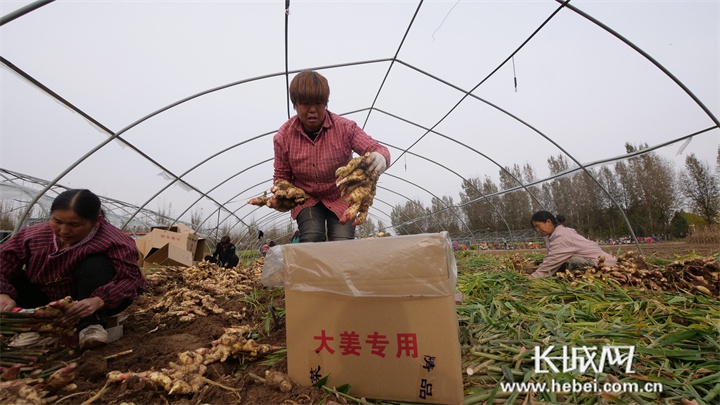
155,335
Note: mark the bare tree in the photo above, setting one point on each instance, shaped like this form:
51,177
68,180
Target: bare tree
561,189
410,219
196,217
7,220
164,214
446,216
516,205
365,229
529,174
612,223
701,188
650,189
482,212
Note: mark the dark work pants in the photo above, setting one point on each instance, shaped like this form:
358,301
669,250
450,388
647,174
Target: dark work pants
93,272
232,262
315,222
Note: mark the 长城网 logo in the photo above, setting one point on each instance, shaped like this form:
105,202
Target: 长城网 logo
583,358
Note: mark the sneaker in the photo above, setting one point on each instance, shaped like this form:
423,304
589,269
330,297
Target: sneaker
93,336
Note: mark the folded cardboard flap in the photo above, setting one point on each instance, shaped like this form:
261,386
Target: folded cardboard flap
184,247
168,255
411,265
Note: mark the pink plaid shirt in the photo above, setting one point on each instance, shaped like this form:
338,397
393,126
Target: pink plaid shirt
565,243
310,165
51,270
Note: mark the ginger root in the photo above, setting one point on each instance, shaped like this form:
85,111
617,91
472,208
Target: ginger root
285,197
360,186
61,377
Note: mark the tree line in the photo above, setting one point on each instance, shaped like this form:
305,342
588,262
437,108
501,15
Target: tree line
656,199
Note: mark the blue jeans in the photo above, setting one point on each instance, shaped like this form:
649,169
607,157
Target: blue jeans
318,224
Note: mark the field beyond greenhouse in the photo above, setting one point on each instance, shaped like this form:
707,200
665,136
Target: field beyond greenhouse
187,315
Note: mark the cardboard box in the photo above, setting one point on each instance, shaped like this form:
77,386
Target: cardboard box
377,314
199,254
153,247
159,237
168,255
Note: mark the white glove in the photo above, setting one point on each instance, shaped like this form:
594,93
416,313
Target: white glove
377,165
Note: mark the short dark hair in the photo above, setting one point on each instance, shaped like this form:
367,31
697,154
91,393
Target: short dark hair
83,202
225,239
309,87
542,216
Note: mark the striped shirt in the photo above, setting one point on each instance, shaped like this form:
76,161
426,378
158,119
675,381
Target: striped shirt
51,270
565,243
311,165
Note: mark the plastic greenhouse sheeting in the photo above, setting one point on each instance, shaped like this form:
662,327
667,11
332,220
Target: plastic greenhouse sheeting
171,106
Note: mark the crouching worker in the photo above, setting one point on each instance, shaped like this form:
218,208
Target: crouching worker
224,254
565,247
78,254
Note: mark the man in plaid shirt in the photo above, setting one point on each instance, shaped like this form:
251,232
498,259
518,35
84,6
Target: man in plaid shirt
77,254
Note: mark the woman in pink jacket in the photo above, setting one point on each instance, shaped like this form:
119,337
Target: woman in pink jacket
565,246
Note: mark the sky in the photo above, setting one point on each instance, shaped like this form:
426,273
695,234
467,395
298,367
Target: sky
438,76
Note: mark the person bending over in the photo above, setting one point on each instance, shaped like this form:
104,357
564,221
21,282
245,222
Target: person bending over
224,254
77,253
564,246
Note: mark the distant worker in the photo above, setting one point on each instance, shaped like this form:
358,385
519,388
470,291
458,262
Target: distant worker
264,248
224,255
78,253
565,247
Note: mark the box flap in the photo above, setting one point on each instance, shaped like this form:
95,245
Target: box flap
169,255
422,265
182,228
199,254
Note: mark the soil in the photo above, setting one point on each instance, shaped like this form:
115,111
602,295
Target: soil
153,339
156,340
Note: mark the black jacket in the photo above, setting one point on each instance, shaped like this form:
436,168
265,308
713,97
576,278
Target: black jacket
224,255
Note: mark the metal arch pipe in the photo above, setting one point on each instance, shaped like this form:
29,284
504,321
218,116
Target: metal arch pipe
93,121
195,167
468,93
421,188
223,182
23,10
649,58
394,58
464,180
116,135
467,147
232,198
